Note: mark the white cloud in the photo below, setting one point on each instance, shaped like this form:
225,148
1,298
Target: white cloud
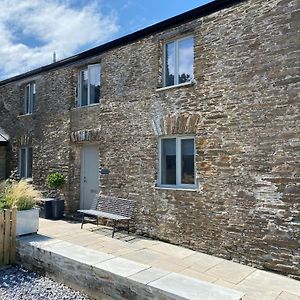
56,25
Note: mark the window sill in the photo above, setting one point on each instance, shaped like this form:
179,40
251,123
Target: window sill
190,83
85,106
176,188
24,115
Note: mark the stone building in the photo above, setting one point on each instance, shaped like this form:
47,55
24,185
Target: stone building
197,119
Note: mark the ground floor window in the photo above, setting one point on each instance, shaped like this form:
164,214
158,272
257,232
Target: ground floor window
177,162
25,162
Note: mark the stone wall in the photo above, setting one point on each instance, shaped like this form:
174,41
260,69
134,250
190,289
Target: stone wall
243,110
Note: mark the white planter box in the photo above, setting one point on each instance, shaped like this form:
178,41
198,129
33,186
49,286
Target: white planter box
27,221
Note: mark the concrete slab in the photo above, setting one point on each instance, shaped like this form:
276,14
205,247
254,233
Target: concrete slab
230,271
193,289
148,275
121,266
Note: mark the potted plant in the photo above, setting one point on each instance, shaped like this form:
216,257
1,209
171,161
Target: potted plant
22,195
56,182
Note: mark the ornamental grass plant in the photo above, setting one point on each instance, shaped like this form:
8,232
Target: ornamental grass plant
19,194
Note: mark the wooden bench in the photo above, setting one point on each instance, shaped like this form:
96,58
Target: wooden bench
109,207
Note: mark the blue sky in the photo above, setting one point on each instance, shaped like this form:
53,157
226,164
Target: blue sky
30,30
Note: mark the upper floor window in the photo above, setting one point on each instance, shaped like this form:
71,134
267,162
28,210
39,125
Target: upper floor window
89,85
177,162
29,100
179,61
25,162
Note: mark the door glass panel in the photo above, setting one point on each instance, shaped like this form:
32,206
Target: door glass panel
168,161
186,60
94,80
187,161
169,64
84,87
22,163
29,162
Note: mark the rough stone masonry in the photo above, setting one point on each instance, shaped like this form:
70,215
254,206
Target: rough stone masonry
243,110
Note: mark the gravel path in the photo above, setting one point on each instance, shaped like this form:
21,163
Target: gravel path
18,283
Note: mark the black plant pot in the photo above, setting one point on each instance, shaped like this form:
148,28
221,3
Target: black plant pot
58,208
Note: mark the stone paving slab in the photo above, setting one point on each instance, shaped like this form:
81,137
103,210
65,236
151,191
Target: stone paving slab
193,289
255,283
121,266
287,296
230,271
149,275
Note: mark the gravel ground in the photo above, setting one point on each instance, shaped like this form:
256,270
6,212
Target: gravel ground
18,283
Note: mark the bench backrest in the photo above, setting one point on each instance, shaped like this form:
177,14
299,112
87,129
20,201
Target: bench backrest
113,205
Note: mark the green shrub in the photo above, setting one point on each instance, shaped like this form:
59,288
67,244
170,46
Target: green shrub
21,195
56,181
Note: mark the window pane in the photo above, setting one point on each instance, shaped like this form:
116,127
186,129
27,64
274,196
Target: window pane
94,80
186,60
168,161
187,161
29,162
26,100
33,97
169,64
84,87
22,163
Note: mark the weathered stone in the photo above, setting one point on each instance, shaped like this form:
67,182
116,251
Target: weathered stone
243,110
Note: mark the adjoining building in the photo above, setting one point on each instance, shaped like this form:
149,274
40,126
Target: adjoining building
196,118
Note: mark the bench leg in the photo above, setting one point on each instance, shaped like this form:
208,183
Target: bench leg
97,221
82,221
128,226
114,228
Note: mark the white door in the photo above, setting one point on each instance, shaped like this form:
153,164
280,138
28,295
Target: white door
89,176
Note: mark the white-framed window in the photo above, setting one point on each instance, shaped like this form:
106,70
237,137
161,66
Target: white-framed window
88,88
25,162
29,99
178,61
177,162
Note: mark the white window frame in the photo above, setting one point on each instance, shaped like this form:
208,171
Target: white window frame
28,101
79,99
26,161
178,184
176,42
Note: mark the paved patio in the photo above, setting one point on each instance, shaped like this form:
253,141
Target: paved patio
256,284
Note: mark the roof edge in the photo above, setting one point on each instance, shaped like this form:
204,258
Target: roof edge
190,15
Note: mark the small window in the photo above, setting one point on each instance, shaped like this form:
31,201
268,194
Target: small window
25,162
177,162
89,85
179,61
29,100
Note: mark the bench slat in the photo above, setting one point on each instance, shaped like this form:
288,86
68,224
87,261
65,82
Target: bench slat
96,213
